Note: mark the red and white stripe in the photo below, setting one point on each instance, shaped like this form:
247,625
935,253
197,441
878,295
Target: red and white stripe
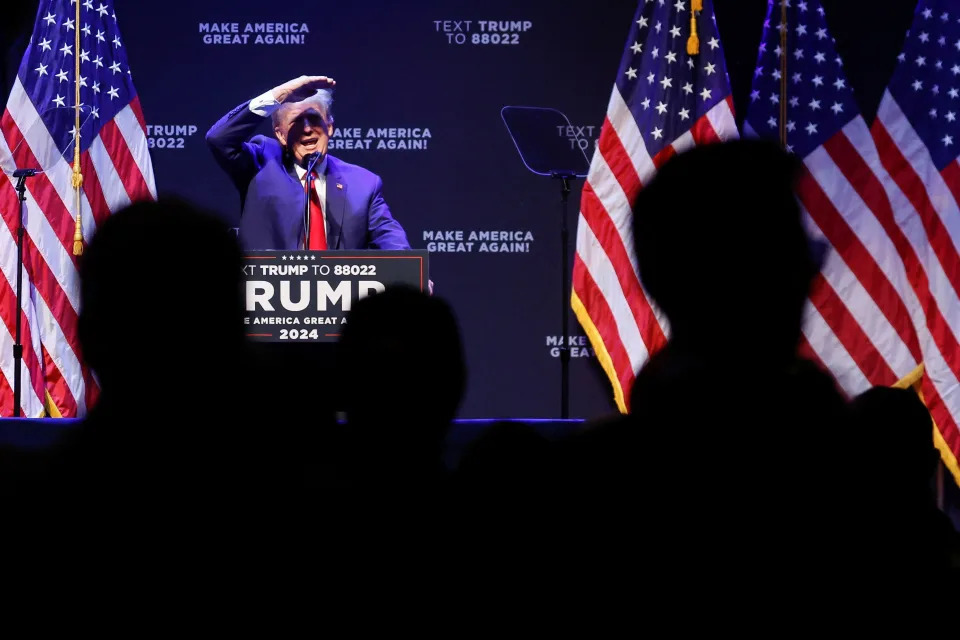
927,219
606,284
117,170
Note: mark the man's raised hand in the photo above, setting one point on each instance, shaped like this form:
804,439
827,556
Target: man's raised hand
301,88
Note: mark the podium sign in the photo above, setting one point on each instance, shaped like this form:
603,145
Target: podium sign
304,296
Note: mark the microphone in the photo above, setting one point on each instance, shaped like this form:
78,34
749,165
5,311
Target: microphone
308,162
25,173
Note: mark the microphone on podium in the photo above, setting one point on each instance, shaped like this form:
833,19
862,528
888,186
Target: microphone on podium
308,162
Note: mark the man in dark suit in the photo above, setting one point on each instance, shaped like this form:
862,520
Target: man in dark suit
347,209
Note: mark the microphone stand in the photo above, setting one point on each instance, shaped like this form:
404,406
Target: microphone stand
311,161
565,178
21,175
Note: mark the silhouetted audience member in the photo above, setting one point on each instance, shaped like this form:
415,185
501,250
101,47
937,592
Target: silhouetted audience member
908,532
401,379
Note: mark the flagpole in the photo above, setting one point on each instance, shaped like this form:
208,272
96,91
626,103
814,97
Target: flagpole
783,73
77,179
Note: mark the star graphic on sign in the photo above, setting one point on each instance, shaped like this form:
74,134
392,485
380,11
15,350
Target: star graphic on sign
95,112
924,36
814,104
637,48
52,19
688,89
58,101
650,78
671,57
713,42
675,31
791,125
661,108
819,57
102,10
98,61
67,49
113,93
821,33
811,129
772,122
630,73
82,81
44,45
68,23
666,82
710,68
285,257
917,85
794,101
116,41
817,81
100,37
86,29
646,103
42,70
801,29
115,67
684,114
642,22
951,116
774,98
96,87
62,75
84,56
837,108
706,94
657,133
947,140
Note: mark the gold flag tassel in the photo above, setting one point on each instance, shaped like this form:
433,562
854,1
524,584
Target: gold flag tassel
693,42
77,180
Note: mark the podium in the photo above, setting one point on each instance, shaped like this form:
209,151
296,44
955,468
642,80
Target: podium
305,296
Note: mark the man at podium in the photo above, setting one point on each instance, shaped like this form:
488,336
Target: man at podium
347,209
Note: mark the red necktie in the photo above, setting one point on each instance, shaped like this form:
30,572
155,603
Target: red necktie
318,235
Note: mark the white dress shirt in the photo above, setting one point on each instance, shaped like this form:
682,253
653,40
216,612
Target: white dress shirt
264,105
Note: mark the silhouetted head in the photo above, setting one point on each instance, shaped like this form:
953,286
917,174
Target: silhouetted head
722,250
401,359
160,297
897,436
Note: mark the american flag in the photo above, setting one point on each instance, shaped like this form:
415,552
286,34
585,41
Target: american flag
665,101
873,314
38,132
917,135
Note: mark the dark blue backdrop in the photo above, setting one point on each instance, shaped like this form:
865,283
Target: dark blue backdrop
398,65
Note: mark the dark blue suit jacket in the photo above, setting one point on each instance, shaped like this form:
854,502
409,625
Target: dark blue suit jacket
272,198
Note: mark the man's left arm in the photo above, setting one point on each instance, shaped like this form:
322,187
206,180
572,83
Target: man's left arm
383,230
